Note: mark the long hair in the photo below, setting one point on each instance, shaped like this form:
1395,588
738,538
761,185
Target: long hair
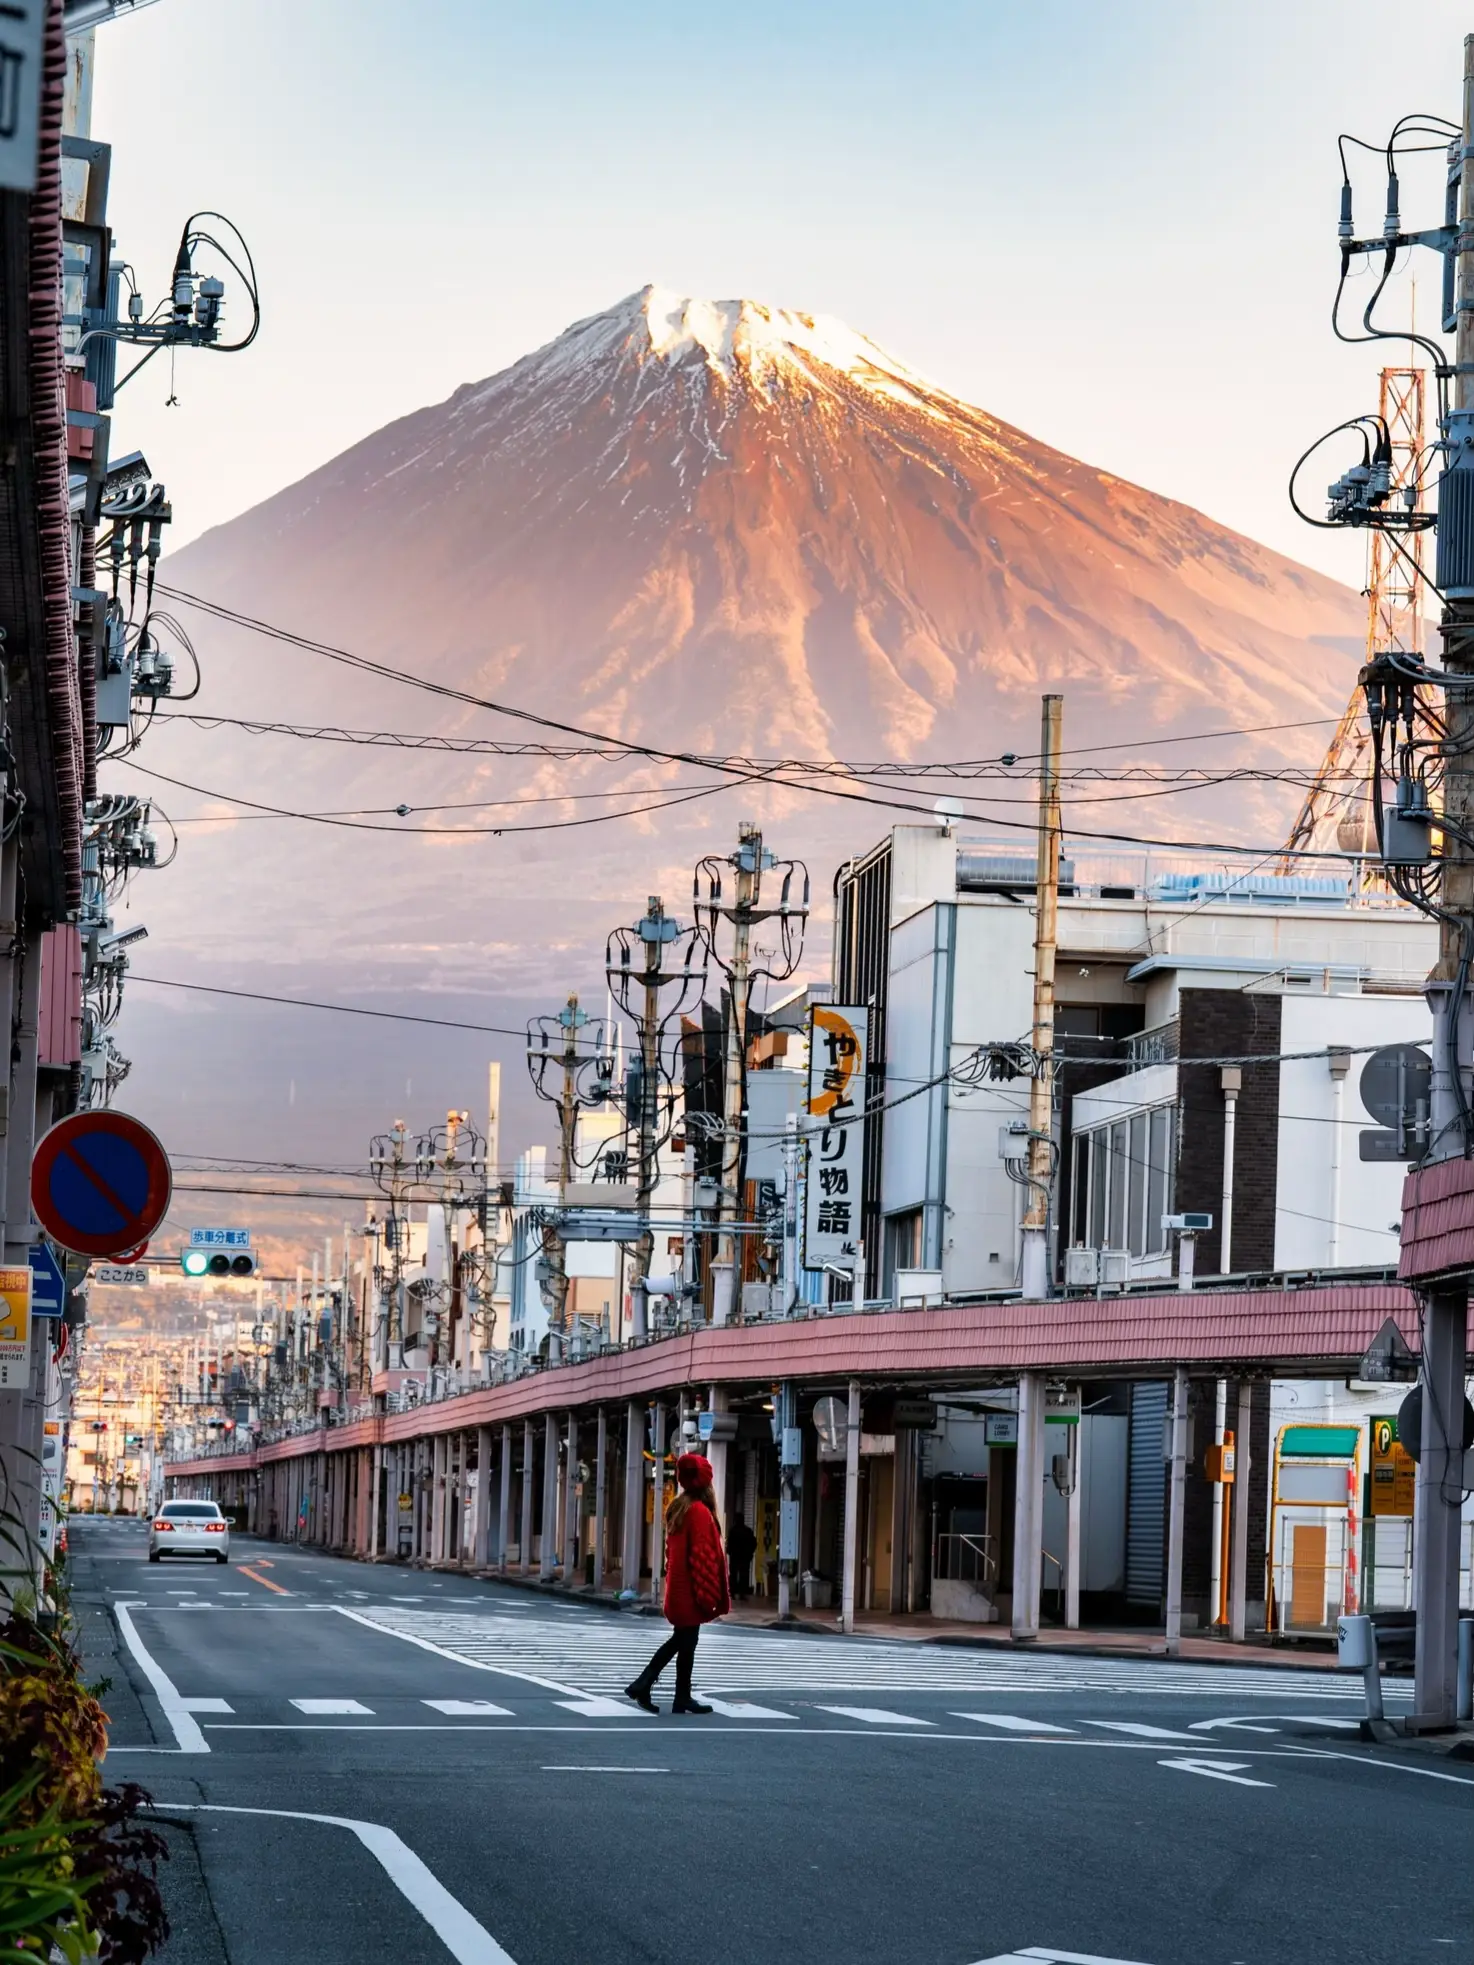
682,1504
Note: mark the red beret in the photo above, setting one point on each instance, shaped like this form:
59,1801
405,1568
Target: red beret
693,1470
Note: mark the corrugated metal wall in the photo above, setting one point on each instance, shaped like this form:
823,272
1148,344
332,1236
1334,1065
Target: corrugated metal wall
1146,1480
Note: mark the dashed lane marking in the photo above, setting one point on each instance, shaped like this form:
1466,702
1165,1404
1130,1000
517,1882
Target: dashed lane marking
323,1707
266,1583
206,1706
606,1770
875,1716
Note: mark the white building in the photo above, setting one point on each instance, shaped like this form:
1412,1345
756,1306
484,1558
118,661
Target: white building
1162,968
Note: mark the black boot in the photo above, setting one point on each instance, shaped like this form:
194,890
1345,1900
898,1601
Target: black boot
640,1693
690,1704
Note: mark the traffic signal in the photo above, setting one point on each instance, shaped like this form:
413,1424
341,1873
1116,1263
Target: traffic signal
216,1262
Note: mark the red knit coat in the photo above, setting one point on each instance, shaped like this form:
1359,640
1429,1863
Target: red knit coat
696,1570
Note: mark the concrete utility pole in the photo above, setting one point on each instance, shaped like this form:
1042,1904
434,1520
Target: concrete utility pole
670,958
1035,1268
748,863
1439,1493
745,910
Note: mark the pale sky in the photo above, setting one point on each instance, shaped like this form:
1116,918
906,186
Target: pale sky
1114,227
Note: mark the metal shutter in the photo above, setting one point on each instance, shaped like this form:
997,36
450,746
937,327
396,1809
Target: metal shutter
1146,1486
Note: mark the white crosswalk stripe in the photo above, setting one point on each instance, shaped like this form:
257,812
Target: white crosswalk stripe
600,1708
875,1716
1138,1731
468,1708
599,1654
324,1707
1011,1723
741,1709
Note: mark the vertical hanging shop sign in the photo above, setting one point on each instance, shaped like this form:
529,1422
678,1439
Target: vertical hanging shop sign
835,1135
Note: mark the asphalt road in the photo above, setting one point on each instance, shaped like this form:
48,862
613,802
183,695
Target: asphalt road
373,1763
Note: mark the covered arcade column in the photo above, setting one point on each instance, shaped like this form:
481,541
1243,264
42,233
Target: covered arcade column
1028,1507
481,1540
634,1499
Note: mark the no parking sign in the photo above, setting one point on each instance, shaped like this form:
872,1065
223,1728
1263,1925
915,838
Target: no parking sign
100,1184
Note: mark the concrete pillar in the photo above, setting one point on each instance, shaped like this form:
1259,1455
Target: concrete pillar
1176,1509
376,1500
601,1454
1028,1507
1438,1506
529,1466
439,1498
716,1452
481,1543
552,1536
657,1516
504,1503
572,1552
1073,1513
634,1499
1238,1569
851,1508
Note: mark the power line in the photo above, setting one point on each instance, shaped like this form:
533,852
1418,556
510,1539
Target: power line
340,1009
365,665
851,767
255,808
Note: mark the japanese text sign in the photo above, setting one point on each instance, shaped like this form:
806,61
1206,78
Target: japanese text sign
833,1125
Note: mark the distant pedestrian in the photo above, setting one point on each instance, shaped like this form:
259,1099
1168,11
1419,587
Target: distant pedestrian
741,1548
695,1583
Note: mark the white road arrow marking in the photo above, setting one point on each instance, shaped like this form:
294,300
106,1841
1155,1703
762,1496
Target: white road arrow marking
1218,1770
1039,1955
1239,1726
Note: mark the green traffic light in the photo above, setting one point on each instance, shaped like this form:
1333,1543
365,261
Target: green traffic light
195,1262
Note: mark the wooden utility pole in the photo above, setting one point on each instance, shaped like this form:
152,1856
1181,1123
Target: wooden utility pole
1035,1268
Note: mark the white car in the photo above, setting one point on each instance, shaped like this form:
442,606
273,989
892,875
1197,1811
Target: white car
189,1528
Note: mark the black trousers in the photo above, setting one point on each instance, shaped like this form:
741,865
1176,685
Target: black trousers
680,1645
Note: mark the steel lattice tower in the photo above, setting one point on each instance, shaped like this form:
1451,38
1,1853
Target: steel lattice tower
1336,814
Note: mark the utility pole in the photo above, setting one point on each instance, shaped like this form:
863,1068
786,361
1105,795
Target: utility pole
557,1058
670,958
748,862
1035,1268
1439,1494
744,911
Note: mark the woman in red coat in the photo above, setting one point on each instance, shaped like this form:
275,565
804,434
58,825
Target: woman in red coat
695,1583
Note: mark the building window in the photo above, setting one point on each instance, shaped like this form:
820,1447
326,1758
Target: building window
902,1243
1123,1181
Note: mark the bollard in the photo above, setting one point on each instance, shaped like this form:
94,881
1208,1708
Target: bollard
1464,1709
1356,1648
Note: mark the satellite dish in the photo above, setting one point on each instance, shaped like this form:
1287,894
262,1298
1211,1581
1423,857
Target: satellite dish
948,811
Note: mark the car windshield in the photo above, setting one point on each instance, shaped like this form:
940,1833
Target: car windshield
191,1511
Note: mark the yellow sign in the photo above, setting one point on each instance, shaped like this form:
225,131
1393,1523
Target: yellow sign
15,1307
1394,1472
